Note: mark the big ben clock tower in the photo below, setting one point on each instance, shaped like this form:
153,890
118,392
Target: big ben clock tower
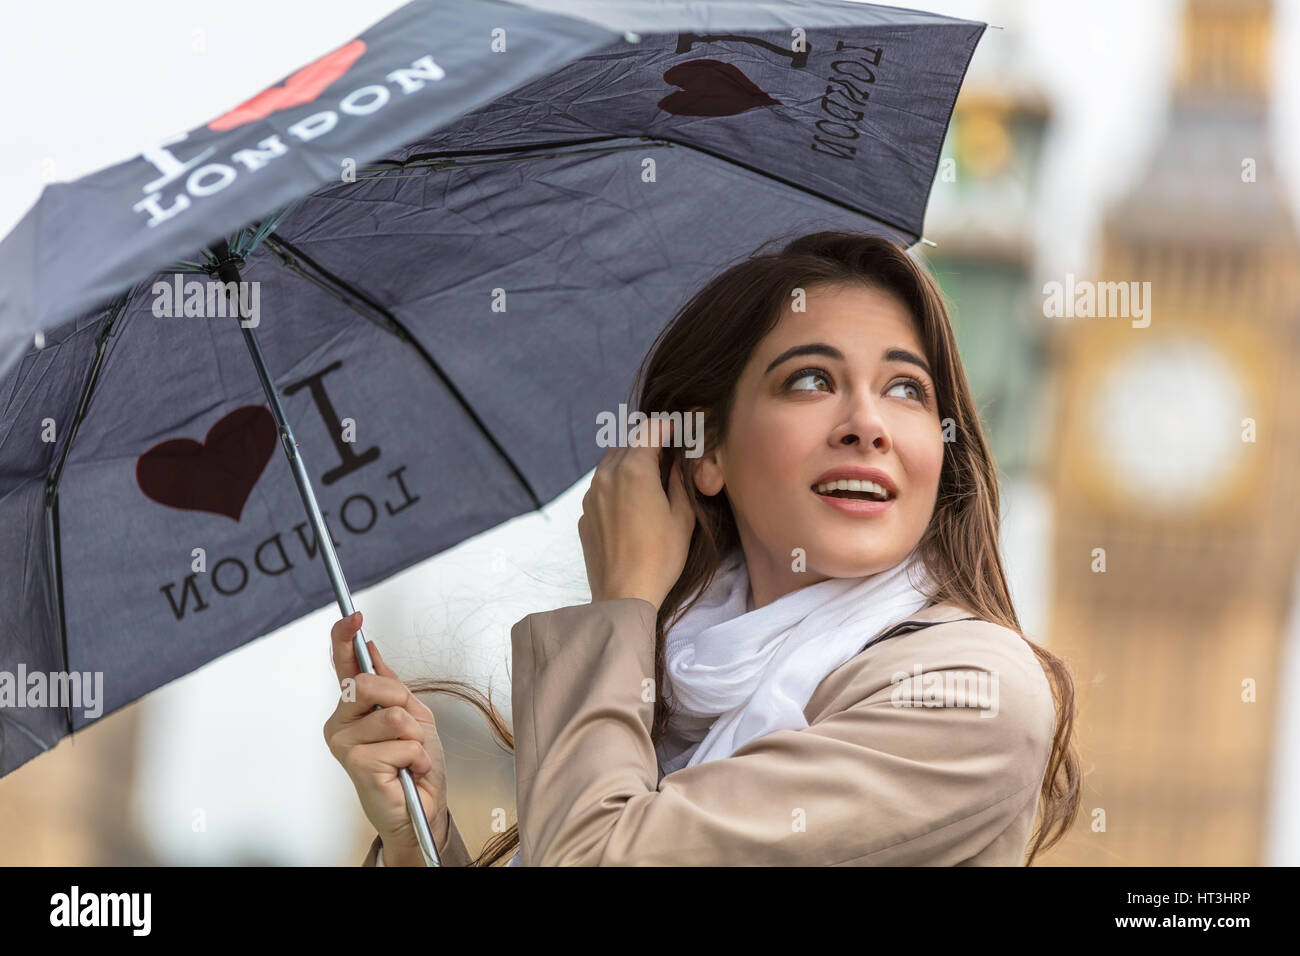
1177,462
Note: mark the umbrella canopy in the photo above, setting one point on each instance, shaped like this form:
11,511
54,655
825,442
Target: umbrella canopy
461,231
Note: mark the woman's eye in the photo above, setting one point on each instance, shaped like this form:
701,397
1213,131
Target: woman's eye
921,391
804,375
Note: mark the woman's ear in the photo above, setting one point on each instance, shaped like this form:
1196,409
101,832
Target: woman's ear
708,476
707,472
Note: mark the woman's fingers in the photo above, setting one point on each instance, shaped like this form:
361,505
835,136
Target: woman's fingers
345,651
378,729
345,655
369,691
391,756
377,659
391,723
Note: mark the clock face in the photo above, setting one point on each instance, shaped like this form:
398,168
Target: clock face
1167,423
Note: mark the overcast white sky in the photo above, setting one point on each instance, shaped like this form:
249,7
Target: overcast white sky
88,84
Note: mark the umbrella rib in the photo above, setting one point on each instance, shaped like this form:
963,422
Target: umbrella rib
907,231
396,327
418,159
52,481
369,315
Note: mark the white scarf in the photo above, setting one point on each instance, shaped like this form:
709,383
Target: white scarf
737,673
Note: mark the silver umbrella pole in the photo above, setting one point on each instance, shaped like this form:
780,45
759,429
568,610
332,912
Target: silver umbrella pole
227,268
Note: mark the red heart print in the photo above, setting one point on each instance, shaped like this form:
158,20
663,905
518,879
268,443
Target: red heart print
711,88
216,476
303,87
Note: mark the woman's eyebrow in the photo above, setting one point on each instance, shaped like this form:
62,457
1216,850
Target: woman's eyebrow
813,348
903,355
894,354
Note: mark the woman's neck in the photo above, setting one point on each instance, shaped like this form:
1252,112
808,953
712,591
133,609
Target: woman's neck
769,582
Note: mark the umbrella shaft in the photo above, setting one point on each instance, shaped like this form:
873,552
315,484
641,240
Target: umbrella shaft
416,810
326,544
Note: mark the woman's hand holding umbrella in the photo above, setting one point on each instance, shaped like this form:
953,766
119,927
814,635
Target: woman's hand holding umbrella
374,744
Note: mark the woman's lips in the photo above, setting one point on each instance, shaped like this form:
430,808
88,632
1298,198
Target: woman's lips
858,508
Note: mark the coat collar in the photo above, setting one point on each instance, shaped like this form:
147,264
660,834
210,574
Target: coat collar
942,611
841,677
938,613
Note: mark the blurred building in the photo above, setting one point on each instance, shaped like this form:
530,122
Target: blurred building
71,805
984,251
1175,468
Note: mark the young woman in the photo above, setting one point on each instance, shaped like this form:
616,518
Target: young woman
819,595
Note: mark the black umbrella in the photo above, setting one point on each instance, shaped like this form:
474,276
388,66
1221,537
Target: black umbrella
453,239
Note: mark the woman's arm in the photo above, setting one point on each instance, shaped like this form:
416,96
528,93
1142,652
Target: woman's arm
873,783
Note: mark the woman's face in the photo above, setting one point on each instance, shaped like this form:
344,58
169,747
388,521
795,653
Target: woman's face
834,387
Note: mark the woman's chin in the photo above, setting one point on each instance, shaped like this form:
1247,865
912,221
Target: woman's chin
852,563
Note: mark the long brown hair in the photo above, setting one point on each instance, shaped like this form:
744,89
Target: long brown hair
695,363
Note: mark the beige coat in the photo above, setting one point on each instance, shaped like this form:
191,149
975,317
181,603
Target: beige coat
869,782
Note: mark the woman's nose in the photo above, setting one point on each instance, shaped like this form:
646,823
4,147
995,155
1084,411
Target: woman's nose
864,424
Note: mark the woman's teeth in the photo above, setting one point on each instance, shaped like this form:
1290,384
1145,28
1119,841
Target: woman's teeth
864,489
